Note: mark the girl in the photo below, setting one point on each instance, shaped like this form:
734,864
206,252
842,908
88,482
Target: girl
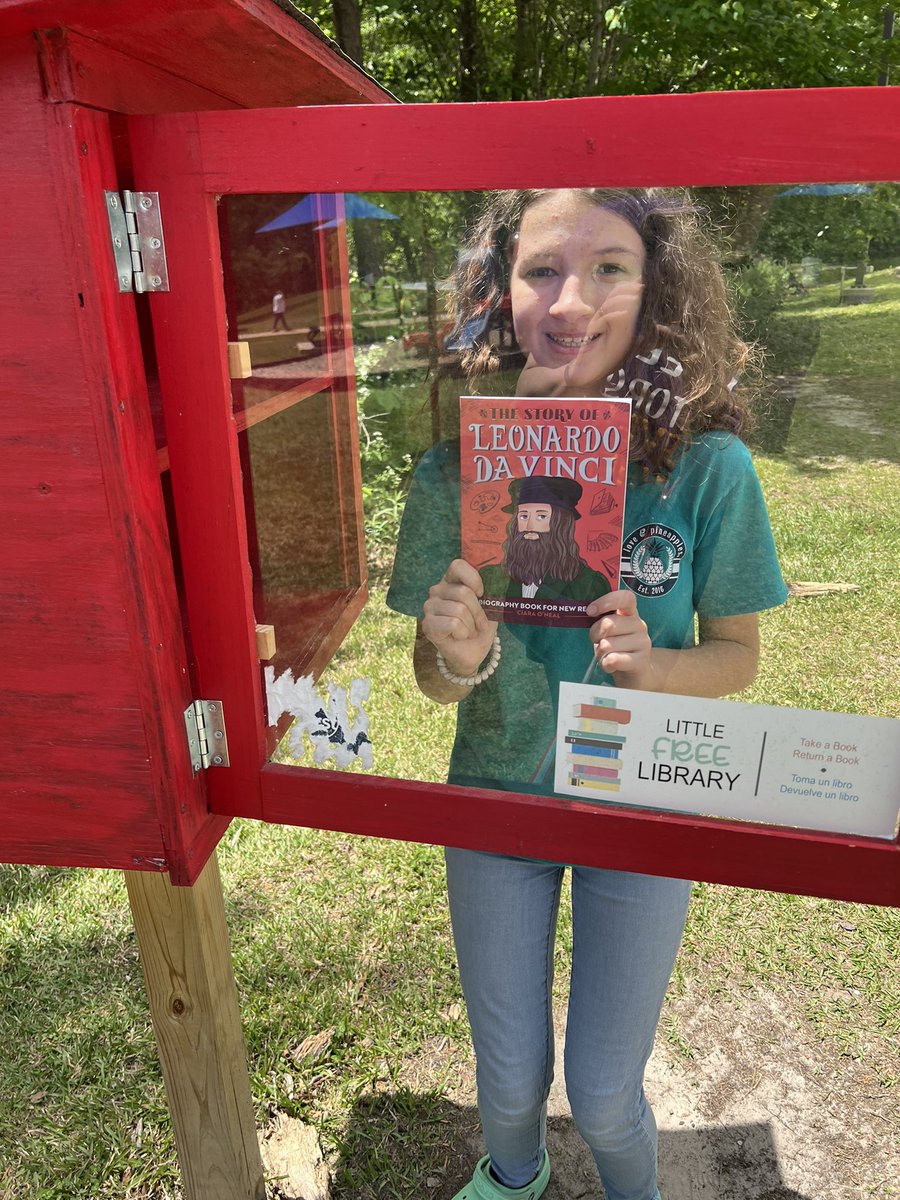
611,291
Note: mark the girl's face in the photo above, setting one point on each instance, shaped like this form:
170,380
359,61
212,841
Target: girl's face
575,286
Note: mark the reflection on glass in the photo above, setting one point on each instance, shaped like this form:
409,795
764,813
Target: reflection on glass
297,527
810,274
281,259
284,260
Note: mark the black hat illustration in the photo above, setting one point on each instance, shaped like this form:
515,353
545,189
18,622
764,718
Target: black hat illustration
545,489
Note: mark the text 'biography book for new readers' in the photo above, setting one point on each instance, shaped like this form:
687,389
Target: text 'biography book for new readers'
543,500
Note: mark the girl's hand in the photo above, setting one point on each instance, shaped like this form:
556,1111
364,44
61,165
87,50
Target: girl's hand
455,622
621,641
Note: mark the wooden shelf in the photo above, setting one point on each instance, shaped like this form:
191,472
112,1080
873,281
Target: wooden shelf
309,628
277,402
264,407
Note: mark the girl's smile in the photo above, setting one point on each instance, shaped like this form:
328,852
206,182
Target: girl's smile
571,343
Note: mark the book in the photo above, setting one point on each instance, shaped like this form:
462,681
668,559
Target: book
608,758
596,785
589,726
592,772
542,490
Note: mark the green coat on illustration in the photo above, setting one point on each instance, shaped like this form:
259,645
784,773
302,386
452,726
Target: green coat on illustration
588,585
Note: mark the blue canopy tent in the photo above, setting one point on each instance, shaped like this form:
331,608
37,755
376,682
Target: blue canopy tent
306,211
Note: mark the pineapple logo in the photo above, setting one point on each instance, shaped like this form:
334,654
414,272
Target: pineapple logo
651,556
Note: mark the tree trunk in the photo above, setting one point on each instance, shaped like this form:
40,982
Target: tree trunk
347,28
526,81
598,28
469,51
369,250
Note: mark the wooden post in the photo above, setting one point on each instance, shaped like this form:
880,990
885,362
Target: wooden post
186,958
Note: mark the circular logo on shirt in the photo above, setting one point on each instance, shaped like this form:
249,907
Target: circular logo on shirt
651,556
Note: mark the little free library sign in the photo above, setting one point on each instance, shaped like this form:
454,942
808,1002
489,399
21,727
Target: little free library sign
722,758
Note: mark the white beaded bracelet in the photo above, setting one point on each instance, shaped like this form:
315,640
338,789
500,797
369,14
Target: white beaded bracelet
472,680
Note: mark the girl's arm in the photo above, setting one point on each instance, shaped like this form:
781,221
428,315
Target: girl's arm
725,660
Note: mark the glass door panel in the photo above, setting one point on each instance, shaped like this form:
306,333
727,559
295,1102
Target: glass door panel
295,414
819,306
272,251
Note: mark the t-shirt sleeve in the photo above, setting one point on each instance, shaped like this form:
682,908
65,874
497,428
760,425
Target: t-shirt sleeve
735,562
429,531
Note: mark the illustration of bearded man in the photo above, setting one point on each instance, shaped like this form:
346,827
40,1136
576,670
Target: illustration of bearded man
541,559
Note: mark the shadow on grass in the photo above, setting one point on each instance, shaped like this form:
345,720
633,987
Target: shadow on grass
831,386
812,418
406,1146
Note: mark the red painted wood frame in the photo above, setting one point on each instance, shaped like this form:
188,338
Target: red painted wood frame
702,140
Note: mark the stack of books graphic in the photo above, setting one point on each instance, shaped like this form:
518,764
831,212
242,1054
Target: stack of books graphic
594,745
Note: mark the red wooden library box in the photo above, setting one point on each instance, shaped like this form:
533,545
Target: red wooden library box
96,666
133,573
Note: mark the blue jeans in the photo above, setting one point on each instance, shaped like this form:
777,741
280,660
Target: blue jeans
626,931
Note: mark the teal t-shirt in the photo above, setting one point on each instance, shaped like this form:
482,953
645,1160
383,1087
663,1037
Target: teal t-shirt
699,542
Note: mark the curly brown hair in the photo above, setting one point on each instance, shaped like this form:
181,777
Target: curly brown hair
685,316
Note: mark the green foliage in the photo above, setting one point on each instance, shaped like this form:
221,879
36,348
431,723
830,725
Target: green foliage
384,493
838,229
518,49
759,291
386,465
421,244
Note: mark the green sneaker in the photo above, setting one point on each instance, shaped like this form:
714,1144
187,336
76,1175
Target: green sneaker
483,1186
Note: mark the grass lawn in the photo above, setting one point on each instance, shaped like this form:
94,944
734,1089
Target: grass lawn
834,499
346,940
858,340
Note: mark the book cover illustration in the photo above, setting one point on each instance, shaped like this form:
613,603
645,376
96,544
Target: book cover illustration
543,499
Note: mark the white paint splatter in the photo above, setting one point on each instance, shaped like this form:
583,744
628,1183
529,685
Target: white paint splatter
327,723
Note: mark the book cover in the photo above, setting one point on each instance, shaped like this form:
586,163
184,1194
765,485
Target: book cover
543,500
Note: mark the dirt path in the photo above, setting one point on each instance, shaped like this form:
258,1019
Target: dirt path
762,1111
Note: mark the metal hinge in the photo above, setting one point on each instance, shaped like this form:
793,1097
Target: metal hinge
135,225
204,721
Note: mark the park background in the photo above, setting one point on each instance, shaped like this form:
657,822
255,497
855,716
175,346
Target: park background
344,966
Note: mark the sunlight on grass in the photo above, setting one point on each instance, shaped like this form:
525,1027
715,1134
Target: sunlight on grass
837,524
859,341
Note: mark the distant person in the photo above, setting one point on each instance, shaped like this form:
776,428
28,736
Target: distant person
278,306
